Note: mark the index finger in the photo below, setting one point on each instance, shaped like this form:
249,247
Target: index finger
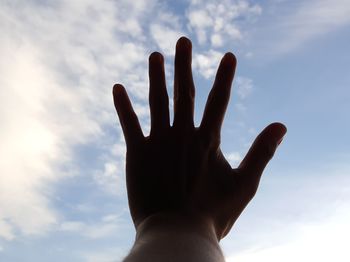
219,97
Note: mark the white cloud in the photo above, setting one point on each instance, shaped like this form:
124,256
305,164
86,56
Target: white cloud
166,29
72,226
101,230
166,37
85,208
307,21
111,178
249,54
216,40
206,63
108,226
28,145
6,230
243,87
56,74
220,21
114,254
304,218
234,158
318,241
240,107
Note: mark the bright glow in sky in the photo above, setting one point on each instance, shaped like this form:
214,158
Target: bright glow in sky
62,192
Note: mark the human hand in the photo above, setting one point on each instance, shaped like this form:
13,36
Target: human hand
179,169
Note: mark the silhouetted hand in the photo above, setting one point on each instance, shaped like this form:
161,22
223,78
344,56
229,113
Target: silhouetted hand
179,169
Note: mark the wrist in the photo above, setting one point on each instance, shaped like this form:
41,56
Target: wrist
173,235
178,223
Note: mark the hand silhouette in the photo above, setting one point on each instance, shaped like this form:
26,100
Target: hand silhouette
179,169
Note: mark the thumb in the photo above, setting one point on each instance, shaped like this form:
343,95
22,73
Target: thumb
261,151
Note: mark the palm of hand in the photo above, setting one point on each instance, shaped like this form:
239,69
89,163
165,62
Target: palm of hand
168,176
181,168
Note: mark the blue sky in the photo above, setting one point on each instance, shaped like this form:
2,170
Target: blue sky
62,192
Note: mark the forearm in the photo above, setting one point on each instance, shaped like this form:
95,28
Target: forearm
175,239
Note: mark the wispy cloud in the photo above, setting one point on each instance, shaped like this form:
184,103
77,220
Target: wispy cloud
218,23
105,255
297,23
304,218
57,71
243,87
314,241
234,158
206,63
165,29
108,226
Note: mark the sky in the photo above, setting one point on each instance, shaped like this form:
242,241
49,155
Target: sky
62,154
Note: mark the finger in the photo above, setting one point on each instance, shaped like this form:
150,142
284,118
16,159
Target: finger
183,85
158,96
127,117
219,96
262,151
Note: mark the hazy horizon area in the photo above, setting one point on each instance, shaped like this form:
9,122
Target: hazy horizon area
62,157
